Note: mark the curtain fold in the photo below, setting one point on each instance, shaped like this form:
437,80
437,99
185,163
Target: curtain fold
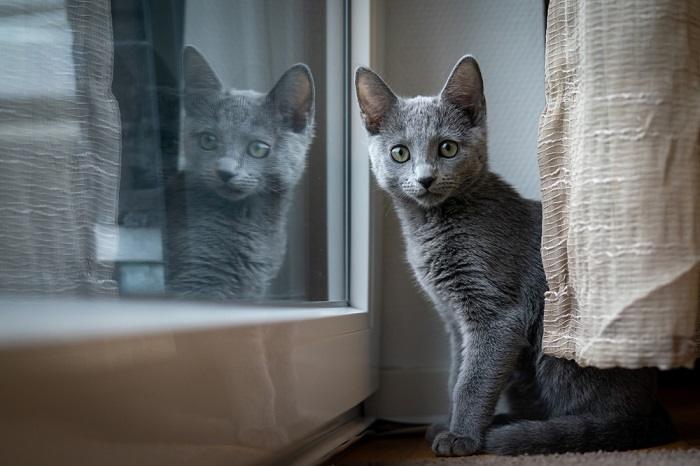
59,146
619,155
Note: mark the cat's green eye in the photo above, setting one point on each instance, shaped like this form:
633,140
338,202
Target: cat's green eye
448,149
208,141
258,149
400,154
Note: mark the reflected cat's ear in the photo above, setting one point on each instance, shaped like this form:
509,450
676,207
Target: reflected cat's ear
465,89
375,98
293,97
199,76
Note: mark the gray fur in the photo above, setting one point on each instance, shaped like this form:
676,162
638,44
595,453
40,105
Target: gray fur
474,246
227,237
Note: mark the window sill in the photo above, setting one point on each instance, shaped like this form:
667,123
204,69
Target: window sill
160,382
42,321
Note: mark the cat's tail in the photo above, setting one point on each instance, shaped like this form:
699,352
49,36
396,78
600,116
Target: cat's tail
580,434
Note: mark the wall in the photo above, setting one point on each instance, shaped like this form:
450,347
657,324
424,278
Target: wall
422,42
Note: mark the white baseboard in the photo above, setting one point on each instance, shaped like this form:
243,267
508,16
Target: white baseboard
330,442
414,395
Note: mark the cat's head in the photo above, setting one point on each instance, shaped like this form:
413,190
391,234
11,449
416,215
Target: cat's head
426,149
239,143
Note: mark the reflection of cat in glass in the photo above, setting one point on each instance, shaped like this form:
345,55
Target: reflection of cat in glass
244,152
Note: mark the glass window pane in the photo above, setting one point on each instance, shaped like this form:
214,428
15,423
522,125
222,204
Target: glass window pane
210,165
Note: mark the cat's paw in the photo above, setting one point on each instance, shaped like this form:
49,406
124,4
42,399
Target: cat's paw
434,429
451,444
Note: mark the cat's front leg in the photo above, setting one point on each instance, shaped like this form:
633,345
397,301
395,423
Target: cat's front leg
489,355
456,344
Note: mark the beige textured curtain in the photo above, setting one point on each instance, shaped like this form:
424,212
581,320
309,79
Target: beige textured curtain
619,156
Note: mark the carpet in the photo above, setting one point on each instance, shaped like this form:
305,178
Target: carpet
655,457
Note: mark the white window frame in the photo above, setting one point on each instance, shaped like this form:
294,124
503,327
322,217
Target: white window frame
96,332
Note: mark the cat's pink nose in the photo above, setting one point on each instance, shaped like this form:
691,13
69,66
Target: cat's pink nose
426,181
225,175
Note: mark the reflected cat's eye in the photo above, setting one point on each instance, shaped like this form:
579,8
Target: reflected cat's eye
208,141
448,149
258,149
400,154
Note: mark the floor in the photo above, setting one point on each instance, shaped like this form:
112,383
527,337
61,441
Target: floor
408,447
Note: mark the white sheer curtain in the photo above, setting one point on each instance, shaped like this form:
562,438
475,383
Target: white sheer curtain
619,157
59,145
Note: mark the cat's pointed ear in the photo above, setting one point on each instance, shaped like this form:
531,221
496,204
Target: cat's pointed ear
293,97
199,76
465,89
375,98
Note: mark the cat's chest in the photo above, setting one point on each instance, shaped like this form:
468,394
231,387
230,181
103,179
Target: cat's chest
439,251
224,234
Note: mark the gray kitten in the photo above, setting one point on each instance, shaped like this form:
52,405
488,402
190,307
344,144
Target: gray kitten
474,246
244,152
